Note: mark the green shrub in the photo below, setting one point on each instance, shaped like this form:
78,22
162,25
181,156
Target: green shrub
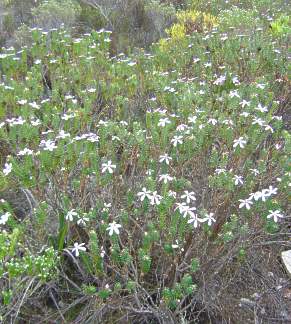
52,14
238,18
22,36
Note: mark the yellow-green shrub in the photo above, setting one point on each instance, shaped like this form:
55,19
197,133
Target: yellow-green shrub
188,21
282,25
177,31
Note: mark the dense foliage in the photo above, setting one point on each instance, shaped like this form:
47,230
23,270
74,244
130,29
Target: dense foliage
148,187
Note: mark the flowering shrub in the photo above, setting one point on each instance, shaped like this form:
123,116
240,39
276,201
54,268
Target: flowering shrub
151,179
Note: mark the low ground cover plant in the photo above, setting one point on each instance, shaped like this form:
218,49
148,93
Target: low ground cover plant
150,187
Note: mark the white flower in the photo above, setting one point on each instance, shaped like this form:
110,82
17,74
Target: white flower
170,89
4,218
269,128
260,86
261,108
35,122
67,117
244,114
238,180
220,80
115,138
7,168
177,140
103,123
245,203
228,122
165,178
70,215
189,196
149,172
181,127
241,142
275,215
48,145
175,246
218,171
113,228
163,122
181,207
82,220
34,105
108,167
255,172
209,219
234,93
161,111
22,102
63,134
187,211
212,121
106,207
144,193
16,121
47,132
245,103
93,138
172,193
256,196
165,158
194,219
192,119
25,151
102,254
258,121
271,191
78,247
264,194
235,80
155,198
